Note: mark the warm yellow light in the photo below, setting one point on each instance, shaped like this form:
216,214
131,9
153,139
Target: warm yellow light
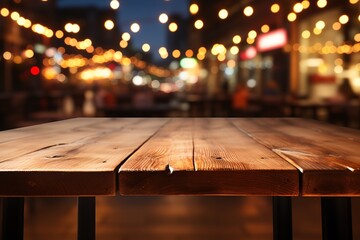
353,1
189,53
7,55
298,7
359,17
223,14
173,27
200,56
199,24
336,26
28,53
248,11
221,57
114,4
250,40
163,51
265,28
234,50
68,27
109,24
306,34
126,36
4,12
194,8
176,53
291,17
320,25
17,60
202,50
21,21
123,44
135,27
118,56
305,4
163,18
236,39
146,47
27,23
75,28
15,16
275,8
317,31
59,34
321,3
49,33
252,34
357,37
338,69
165,55
343,19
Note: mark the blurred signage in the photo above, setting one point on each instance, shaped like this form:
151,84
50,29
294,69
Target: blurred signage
248,53
271,40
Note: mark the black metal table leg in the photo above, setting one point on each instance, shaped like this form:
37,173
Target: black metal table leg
336,218
282,218
13,218
86,218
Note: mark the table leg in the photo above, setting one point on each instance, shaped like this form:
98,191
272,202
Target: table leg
282,218
336,218
86,218
13,218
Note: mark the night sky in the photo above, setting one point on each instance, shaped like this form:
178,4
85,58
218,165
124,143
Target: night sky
145,12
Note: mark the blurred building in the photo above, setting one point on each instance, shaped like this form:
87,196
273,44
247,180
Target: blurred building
303,48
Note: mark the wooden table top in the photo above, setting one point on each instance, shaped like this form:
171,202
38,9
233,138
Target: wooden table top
184,156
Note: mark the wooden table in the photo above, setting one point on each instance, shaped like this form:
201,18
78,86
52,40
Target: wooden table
89,157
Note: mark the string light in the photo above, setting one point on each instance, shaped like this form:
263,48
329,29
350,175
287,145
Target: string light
321,3
135,27
223,14
114,4
199,24
126,36
163,18
176,53
248,11
146,47
265,28
275,8
343,19
194,9
236,39
109,24
173,27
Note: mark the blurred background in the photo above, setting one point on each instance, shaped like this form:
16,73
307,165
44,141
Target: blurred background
178,58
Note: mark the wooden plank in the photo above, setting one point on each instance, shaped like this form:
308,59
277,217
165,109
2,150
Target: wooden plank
162,165
78,160
243,166
226,161
326,155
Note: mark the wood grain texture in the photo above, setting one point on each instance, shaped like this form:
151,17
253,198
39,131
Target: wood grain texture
327,156
72,157
208,157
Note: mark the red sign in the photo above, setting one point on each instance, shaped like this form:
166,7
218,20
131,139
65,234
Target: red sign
271,40
248,53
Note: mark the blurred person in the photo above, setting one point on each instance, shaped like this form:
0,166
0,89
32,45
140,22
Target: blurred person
240,100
